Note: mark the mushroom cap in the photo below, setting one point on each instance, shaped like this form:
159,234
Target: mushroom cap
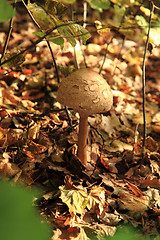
86,92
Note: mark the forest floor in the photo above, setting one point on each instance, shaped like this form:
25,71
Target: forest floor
38,145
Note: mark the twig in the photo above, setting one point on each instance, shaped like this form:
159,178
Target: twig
84,25
49,46
103,140
39,40
104,59
118,58
31,46
7,39
144,83
105,55
54,61
75,52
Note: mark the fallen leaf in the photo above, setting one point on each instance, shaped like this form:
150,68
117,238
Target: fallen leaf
131,202
134,189
31,149
118,145
138,118
96,200
76,200
151,182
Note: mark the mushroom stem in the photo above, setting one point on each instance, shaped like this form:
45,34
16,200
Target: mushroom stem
82,139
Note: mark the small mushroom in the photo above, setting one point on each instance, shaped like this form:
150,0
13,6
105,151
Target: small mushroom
87,93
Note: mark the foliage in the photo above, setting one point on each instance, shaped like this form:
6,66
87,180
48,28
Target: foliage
19,220
49,17
15,62
6,10
99,5
68,1
131,15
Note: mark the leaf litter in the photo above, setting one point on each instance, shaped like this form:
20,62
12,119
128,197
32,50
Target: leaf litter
38,146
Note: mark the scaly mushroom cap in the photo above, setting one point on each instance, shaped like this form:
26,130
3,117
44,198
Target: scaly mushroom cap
86,92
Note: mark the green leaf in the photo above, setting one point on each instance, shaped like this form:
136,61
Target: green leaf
55,39
80,31
19,220
42,18
6,11
142,22
55,8
63,31
119,12
47,19
67,1
154,35
14,62
58,41
99,4
39,34
76,200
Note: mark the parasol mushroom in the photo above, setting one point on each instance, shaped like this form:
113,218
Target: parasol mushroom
87,93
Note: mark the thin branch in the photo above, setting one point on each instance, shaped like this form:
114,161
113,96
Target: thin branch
31,46
144,82
106,52
105,55
7,39
84,25
75,52
54,61
50,31
36,42
118,57
49,46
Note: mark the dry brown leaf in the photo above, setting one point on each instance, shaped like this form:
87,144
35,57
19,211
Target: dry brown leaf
10,136
107,230
110,164
156,128
10,98
33,131
151,182
96,200
8,168
151,144
131,202
32,95
31,149
134,189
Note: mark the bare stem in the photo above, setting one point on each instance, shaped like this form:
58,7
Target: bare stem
49,46
8,37
53,58
144,83
84,25
82,139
